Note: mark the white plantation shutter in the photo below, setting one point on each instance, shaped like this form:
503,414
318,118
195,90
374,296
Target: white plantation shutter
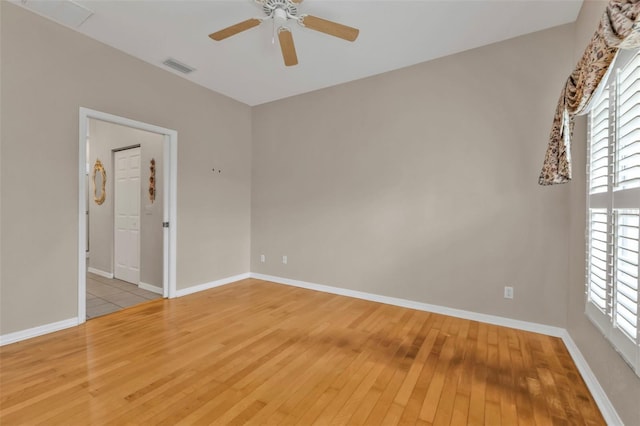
626,270
599,159
613,228
598,256
628,143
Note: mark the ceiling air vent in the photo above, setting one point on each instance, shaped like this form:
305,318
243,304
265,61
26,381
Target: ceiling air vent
178,66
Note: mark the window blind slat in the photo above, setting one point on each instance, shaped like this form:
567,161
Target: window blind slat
630,69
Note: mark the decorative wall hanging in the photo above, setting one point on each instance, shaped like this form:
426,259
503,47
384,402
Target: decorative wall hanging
99,183
152,180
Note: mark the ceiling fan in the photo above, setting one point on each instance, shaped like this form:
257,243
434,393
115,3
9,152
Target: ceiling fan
280,12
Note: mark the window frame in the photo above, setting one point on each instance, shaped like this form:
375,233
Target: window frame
614,200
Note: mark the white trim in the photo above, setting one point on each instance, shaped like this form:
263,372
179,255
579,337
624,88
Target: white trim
82,217
599,395
100,272
458,313
150,287
171,248
170,193
206,286
37,331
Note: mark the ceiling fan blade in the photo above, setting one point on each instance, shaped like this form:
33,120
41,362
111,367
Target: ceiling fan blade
288,48
330,27
235,29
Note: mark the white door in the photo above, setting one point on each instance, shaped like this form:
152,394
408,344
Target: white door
127,215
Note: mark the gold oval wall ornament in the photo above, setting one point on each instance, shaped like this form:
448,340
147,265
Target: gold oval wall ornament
99,183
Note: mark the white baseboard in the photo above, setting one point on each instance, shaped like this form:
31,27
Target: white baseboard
37,331
150,287
606,407
458,313
101,273
600,397
206,286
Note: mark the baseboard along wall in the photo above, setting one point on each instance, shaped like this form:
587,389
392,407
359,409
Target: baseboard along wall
150,287
17,336
100,272
212,284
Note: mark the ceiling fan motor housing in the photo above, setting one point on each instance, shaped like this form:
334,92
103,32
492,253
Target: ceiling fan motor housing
271,7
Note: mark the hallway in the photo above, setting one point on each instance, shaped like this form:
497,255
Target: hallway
105,296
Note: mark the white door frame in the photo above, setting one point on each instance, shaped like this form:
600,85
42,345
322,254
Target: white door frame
169,187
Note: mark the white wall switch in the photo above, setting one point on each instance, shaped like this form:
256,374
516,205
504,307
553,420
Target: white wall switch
263,258
284,259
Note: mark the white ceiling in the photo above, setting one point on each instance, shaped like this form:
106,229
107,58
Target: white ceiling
249,68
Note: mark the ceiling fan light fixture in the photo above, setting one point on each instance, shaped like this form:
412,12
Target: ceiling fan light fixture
279,17
280,12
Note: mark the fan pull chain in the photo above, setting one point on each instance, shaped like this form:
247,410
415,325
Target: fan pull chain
273,35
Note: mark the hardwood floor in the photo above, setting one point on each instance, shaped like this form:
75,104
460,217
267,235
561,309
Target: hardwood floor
255,352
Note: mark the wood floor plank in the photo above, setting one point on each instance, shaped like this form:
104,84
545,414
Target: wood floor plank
385,405
460,410
299,403
524,409
446,404
294,391
366,413
255,352
479,380
427,360
441,351
506,380
271,382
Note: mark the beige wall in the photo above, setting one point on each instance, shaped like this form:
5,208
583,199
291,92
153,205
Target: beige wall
104,138
618,380
422,183
48,73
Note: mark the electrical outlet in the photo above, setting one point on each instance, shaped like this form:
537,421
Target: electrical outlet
284,259
508,292
263,258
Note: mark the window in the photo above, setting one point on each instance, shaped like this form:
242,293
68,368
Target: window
613,216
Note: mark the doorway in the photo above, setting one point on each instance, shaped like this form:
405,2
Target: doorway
116,196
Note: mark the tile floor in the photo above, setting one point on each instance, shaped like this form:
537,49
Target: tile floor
105,295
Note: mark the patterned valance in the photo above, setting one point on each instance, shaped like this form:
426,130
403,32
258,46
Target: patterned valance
619,29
